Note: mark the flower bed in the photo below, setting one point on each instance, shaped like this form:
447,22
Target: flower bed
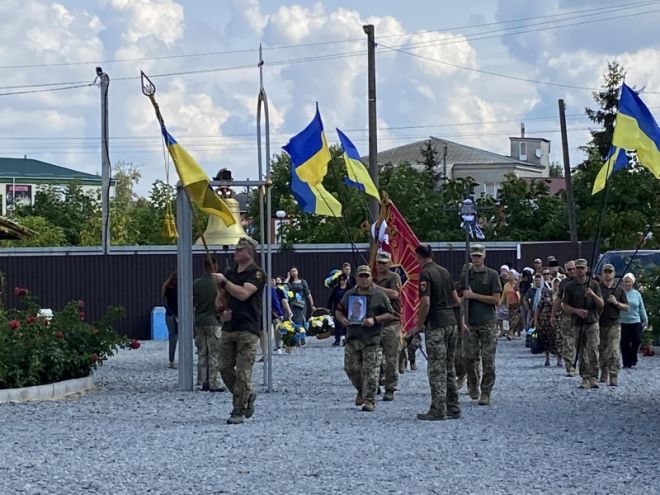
37,349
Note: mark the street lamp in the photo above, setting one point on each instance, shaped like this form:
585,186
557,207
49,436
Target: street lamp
281,215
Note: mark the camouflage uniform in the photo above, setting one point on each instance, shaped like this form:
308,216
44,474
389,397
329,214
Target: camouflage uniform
238,344
481,342
610,332
459,351
362,365
482,338
568,336
391,345
362,353
586,330
237,353
207,342
206,331
391,335
435,283
440,347
569,341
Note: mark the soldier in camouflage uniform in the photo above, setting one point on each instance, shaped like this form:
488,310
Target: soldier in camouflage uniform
437,297
583,303
362,354
615,300
483,294
207,329
568,338
244,284
390,283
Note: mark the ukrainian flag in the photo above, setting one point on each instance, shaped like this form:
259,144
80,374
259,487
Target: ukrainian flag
196,182
310,155
634,129
358,176
615,160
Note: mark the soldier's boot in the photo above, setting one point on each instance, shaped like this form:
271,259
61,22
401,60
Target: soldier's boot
432,415
603,376
460,383
413,366
484,400
205,387
236,417
455,414
586,384
403,362
249,406
359,400
369,406
593,383
389,395
474,393
570,372
614,381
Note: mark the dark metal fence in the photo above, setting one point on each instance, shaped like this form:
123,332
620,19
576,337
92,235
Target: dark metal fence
132,277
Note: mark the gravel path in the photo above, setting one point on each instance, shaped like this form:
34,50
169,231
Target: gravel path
138,434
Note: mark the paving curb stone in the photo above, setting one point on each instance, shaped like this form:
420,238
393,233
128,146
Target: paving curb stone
50,391
137,433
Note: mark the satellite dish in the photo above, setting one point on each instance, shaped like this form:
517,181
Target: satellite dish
538,152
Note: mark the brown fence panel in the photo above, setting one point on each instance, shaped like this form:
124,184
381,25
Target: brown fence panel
133,279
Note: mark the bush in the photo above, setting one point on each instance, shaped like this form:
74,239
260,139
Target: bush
36,349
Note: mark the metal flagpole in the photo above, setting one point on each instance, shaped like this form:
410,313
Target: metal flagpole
265,224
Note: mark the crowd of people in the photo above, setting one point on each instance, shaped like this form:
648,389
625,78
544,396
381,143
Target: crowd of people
570,313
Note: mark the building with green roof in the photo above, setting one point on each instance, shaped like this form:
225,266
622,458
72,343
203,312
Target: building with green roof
20,178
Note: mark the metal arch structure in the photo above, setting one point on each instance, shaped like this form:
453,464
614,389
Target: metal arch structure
184,250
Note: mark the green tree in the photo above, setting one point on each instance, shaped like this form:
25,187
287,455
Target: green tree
633,195
47,234
556,170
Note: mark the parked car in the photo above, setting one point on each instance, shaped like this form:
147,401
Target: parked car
645,266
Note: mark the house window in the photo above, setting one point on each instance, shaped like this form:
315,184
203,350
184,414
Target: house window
523,151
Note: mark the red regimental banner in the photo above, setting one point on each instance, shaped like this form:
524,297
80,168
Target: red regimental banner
402,244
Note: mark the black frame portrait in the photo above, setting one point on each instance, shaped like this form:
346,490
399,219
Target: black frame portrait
360,317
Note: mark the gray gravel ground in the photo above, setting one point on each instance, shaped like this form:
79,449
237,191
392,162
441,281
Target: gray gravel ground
138,434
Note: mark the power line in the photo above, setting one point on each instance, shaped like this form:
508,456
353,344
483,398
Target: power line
598,10
72,85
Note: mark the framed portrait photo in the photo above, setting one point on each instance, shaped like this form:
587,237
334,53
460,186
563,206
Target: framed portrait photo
357,309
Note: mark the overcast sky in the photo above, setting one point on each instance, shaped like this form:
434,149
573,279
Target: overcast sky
441,81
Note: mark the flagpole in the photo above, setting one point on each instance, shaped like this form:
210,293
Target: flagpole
265,224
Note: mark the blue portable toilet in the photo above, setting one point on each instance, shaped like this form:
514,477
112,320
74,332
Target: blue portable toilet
158,324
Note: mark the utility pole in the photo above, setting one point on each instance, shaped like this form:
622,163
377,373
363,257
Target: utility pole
369,30
105,162
444,163
567,175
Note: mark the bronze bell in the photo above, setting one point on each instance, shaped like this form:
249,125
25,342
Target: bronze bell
217,233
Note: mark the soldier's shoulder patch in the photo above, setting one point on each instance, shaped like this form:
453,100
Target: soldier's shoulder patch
398,285
423,285
259,274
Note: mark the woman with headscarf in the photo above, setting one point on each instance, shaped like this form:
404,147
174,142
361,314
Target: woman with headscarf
632,322
546,331
513,303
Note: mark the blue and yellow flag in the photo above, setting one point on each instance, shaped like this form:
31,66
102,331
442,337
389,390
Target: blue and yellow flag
634,129
358,176
310,155
196,182
615,160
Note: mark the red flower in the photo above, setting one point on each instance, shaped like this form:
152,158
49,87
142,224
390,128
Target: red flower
94,358
14,324
135,344
30,319
20,292
82,316
46,323
59,334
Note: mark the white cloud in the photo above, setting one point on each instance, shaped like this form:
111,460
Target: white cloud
162,19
